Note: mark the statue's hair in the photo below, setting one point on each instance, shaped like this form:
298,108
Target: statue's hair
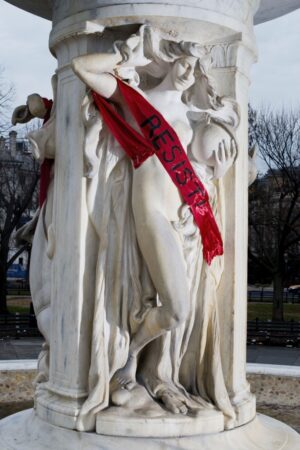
164,52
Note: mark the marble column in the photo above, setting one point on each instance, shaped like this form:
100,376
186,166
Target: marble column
71,286
233,60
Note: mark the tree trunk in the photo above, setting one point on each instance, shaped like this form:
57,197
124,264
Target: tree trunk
3,282
277,313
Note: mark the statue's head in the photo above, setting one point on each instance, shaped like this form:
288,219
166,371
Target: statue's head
182,72
189,64
150,57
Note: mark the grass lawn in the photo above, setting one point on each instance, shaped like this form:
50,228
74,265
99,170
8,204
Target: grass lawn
264,311
19,309
18,304
261,310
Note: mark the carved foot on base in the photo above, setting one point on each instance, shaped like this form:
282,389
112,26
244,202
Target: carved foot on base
178,403
172,402
136,401
126,377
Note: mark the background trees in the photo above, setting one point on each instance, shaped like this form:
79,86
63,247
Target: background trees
274,199
6,96
19,174
274,202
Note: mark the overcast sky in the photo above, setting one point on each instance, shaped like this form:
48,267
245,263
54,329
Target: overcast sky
28,63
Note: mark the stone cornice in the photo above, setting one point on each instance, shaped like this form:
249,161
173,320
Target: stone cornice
268,10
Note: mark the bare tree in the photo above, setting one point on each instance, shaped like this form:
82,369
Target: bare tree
274,200
6,97
19,174
18,181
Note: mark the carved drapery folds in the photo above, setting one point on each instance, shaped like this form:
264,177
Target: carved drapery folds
168,343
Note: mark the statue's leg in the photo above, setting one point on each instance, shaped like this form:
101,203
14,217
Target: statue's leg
40,285
162,251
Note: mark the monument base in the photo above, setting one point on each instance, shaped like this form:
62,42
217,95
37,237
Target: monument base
25,431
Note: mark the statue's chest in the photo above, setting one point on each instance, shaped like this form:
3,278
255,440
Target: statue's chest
183,131
175,115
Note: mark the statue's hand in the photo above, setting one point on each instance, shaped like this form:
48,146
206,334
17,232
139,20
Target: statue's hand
193,49
36,106
21,114
132,51
224,157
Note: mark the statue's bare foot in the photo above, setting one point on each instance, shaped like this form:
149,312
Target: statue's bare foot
126,376
173,402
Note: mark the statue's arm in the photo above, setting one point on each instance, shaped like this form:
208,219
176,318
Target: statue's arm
94,70
34,108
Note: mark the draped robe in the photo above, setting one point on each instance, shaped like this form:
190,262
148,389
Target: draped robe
186,360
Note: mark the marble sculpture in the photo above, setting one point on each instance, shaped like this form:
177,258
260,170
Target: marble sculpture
143,313
155,295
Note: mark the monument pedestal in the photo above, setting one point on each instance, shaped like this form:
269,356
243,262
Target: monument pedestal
28,432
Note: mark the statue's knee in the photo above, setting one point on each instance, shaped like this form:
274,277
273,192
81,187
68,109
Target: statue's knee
178,315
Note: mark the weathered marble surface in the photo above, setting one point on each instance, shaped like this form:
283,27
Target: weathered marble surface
27,432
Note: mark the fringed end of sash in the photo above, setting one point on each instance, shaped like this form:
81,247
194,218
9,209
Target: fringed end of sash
212,249
210,234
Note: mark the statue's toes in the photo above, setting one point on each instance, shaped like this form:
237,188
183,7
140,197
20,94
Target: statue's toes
129,385
125,382
122,381
183,409
170,404
173,409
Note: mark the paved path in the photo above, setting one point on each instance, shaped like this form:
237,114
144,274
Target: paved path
24,348
29,348
273,355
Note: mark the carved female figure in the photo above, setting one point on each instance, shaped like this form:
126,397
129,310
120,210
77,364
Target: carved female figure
168,312
43,148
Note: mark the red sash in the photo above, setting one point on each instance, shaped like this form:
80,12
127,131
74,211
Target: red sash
160,139
46,166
